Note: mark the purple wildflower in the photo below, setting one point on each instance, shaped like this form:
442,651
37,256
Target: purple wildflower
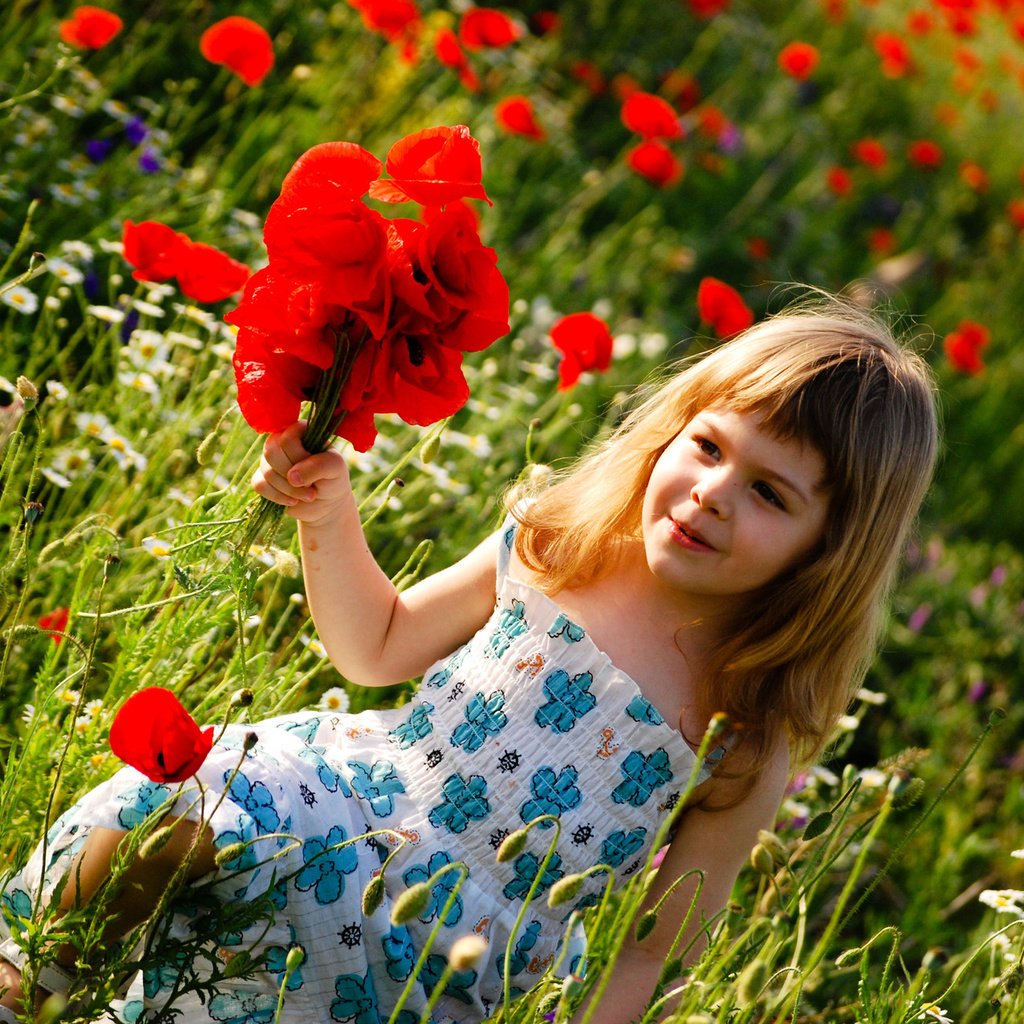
149,161
135,130
97,150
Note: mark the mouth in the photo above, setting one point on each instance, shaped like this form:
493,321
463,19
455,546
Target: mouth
691,535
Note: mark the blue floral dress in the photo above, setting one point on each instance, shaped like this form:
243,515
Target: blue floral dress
528,718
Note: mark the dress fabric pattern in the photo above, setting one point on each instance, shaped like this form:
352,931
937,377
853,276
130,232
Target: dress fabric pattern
528,718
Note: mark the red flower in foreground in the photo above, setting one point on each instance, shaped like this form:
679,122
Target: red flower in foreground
653,160
241,45
55,622
585,343
432,167
156,736
722,308
651,116
90,28
153,249
798,60
963,347
515,114
482,27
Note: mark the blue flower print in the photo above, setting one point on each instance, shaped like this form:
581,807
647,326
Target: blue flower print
165,977
376,785
463,802
511,624
243,1008
256,799
443,677
130,1012
357,1000
18,903
552,793
526,867
306,730
520,958
484,717
642,710
331,780
568,701
327,863
509,536
399,953
565,628
619,846
140,802
415,727
642,776
458,983
440,892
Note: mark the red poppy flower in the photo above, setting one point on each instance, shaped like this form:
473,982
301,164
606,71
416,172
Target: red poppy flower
653,160
55,622
585,343
707,8
208,275
722,308
963,347
546,22
590,75
974,175
154,734
683,89
451,55
871,153
835,10
798,60
432,167
651,116
155,250
90,28
515,114
482,27
624,85
758,248
399,21
925,153
839,181
711,122
1015,211
881,241
241,45
894,54
920,23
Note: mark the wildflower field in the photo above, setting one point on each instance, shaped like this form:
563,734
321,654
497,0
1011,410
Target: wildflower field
669,167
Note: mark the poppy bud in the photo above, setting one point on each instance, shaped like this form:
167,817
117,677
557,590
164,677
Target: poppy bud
908,794
774,846
111,566
242,698
294,960
52,1009
761,860
565,889
646,924
572,985
156,842
28,391
251,739
205,446
373,895
466,952
32,511
817,825
229,853
411,903
751,980
429,451
512,845
671,970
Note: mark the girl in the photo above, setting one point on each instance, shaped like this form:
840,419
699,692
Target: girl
726,549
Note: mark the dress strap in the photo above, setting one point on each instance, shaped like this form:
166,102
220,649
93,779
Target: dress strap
508,533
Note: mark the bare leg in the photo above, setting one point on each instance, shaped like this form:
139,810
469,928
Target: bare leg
142,884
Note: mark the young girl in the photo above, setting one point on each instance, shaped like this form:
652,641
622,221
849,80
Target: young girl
726,549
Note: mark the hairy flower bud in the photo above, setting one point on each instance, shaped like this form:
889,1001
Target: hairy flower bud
761,860
466,952
154,843
565,889
28,391
751,981
229,853
774,845
411,903
373,895
430,449
294,960
512,845
646,924
242,698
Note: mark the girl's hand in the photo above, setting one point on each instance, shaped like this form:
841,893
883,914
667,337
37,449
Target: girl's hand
311,487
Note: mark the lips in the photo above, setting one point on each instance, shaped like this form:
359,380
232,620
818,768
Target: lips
691,534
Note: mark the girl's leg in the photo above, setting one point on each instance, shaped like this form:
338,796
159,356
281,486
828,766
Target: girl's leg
142,884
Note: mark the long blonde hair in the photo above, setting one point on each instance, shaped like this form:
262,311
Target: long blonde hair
827,374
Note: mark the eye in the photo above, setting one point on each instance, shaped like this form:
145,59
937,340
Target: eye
707,447
769,495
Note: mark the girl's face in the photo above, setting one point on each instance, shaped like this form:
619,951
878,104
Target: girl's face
728,508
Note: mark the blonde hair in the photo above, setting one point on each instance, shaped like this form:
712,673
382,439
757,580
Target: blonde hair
824,373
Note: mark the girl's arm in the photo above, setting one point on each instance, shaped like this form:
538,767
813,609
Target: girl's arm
716,843
373,634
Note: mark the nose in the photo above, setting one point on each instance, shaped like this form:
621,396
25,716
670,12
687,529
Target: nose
711,492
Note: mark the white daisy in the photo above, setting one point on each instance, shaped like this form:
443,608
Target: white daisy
935,1013
56,478
64,271
148,308
92,423
77,250
108,314
314,645
1004,901
158,547
140,380
55,389
334,699
20,298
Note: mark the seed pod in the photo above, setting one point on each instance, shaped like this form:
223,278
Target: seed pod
250,741
242,698
154,843
430,449
294,960
229,853
512,845
751,981
28,391
909,794
646,924
565,889
761,860
817,825
373,895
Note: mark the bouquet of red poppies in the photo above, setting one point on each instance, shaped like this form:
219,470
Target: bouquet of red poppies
358,313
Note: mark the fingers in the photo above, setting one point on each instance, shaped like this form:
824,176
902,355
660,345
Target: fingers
289,475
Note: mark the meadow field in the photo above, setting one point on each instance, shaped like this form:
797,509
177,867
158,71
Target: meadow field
630,151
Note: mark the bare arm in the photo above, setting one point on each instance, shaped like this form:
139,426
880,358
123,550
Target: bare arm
715,843
373,634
